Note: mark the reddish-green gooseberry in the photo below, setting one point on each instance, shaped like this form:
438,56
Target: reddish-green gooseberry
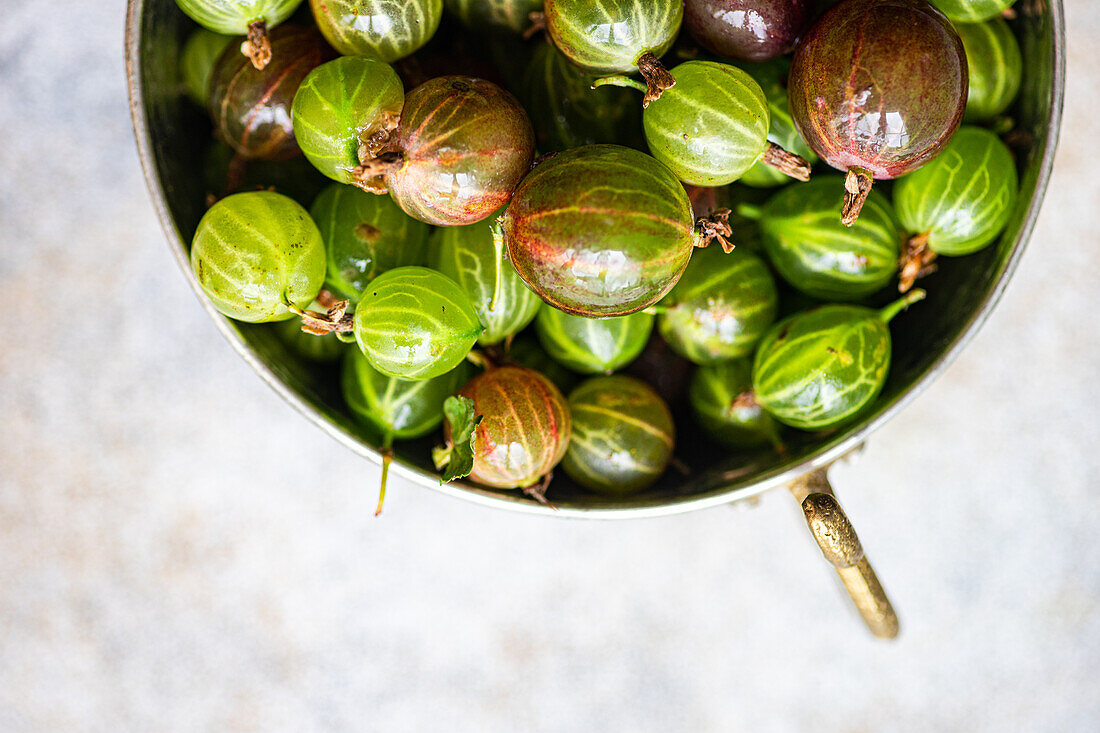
251,107
748,30
601,230
469,256
253,18
593,345
817,254
201,51
524,428
415,323
396,409
365,235
623,435
958,203
712,126
877,88
617,36
996,68
461,148
387,30
725,407
341,109
258,256
720,308
823,366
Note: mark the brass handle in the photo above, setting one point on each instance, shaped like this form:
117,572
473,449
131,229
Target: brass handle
839,543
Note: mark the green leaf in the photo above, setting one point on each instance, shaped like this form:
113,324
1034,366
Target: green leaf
458,457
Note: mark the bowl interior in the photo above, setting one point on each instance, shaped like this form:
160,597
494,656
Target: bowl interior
173,137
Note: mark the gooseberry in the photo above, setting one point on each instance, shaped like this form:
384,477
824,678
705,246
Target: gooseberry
415,323
381,29
877,88
461,147
258,257
480,15
748,30
823,366
365,235
972,11
251,18
958,203
996,68
251,108
593,345
623,435
725,406
201,51
720,308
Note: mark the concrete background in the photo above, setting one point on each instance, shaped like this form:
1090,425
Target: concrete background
179,550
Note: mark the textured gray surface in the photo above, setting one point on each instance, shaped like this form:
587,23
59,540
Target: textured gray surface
181,551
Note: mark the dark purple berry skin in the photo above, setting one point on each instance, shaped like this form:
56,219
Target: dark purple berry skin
748,30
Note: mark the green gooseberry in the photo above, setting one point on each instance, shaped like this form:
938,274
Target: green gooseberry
712,126
526,351
316,348
772,78
415,323
720,308
341,109
481,15
470,256
725,407
996,68
567,113
601,230
365,235
957,204
253,18
202,49
821,367
972,11
396,409
258,257
593,345
617,36
623,435
817,254
381,29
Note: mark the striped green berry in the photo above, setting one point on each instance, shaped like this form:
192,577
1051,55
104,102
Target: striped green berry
382,29
609,36
823,366
724,405
256,253
469,256
233,17
623,435
813,251
593,345
365,235
415,323
339,107
996,68
963,199
720,308
972,11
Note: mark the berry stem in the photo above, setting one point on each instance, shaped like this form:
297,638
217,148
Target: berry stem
497,228
257,47
916,261
538,23
656,77
913,296
336,320
715,226
366,175
857,187
620,81
785,162
387,458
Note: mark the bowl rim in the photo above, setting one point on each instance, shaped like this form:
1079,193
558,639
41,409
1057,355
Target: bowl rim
515,501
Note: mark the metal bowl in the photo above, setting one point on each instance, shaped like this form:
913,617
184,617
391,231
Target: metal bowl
172,136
